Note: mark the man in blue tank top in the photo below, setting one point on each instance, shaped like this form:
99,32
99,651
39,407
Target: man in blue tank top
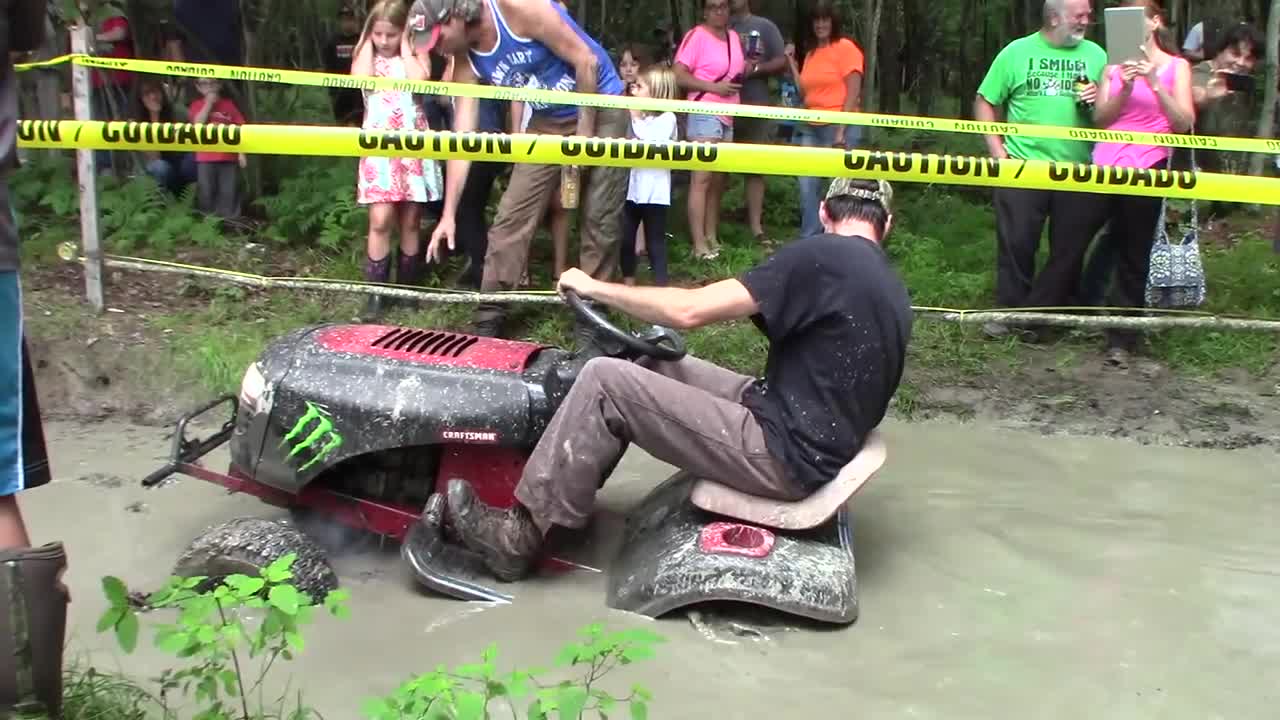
528,44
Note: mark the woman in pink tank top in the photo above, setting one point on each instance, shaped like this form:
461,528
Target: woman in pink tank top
1149,94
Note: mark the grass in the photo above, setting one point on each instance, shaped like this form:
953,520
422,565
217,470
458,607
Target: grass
943,244
90,694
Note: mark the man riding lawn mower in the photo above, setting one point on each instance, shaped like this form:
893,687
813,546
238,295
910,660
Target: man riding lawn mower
838,320
468,450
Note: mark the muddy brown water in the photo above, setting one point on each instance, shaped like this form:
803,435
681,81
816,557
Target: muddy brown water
1002,574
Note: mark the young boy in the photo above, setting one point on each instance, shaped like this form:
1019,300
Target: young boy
347,103
217,173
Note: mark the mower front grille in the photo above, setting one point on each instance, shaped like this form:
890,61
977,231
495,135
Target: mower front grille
425,342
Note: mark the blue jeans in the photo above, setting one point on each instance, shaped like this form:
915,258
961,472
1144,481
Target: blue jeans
813,188
24,461
173,176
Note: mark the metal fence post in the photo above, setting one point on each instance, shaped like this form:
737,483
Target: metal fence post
87,173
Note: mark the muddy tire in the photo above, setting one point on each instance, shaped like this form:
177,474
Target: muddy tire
247,545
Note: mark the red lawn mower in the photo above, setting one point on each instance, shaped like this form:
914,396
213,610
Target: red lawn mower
365,425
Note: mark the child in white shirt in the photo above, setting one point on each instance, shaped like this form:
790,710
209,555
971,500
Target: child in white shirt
649,193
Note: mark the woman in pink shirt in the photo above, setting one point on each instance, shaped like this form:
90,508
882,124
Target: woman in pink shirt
709,67
1151,94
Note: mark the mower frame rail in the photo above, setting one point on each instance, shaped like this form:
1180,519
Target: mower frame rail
184,456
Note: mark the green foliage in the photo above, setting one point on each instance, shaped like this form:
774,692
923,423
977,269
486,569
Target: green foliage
317,206
136,215
211,634
90,694
466,691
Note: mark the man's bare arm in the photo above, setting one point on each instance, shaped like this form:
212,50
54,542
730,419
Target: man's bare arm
984,111
543,23
679,308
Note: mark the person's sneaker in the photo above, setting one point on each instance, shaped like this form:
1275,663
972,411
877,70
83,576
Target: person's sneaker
508,540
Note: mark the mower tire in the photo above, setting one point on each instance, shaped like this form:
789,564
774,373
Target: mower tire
247,545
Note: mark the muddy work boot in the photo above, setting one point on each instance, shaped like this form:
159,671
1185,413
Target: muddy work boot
508,540
33,622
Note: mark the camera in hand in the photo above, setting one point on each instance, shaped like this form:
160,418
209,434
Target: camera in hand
1239,83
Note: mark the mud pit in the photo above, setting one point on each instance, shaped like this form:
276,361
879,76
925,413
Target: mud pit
1059,577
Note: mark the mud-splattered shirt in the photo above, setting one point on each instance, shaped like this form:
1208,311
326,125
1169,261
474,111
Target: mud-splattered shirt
838,318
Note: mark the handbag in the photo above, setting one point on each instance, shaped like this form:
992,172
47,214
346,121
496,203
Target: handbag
1176,277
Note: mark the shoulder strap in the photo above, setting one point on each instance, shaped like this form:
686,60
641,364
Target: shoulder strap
728,63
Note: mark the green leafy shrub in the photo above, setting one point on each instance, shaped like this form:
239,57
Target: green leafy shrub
318,205
466,692
211,633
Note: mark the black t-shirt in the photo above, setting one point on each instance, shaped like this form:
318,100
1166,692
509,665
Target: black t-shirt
838,318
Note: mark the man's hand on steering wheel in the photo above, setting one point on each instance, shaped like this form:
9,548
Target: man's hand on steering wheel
660,343
577,281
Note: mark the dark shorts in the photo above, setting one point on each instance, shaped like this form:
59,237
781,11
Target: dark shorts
24,460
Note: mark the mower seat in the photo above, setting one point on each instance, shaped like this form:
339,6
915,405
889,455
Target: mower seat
801,514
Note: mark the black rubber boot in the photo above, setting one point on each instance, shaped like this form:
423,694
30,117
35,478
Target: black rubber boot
378,271
33,624
409,272
488,320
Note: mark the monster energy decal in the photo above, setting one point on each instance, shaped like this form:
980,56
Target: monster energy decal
320,442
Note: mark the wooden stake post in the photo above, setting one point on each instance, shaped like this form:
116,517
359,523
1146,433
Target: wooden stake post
87,172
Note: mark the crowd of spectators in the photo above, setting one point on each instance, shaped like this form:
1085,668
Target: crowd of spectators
1097,247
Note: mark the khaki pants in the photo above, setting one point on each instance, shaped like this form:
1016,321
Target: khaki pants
686,413
525,202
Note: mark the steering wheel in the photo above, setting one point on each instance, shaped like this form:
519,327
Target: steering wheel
659,343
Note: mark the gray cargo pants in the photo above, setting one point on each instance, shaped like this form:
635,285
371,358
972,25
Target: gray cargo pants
687,413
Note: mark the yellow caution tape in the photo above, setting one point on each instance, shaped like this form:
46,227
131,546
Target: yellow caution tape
567,97
791,160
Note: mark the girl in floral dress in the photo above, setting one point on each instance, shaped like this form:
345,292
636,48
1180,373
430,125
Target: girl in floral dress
393,188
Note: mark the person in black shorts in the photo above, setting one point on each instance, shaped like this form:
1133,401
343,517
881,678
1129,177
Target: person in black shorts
34,601
838,320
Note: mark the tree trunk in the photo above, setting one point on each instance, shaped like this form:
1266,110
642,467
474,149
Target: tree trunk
870,81
251,12
891,58
1267,118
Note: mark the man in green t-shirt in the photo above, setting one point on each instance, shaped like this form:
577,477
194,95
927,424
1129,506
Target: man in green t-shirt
1033,81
